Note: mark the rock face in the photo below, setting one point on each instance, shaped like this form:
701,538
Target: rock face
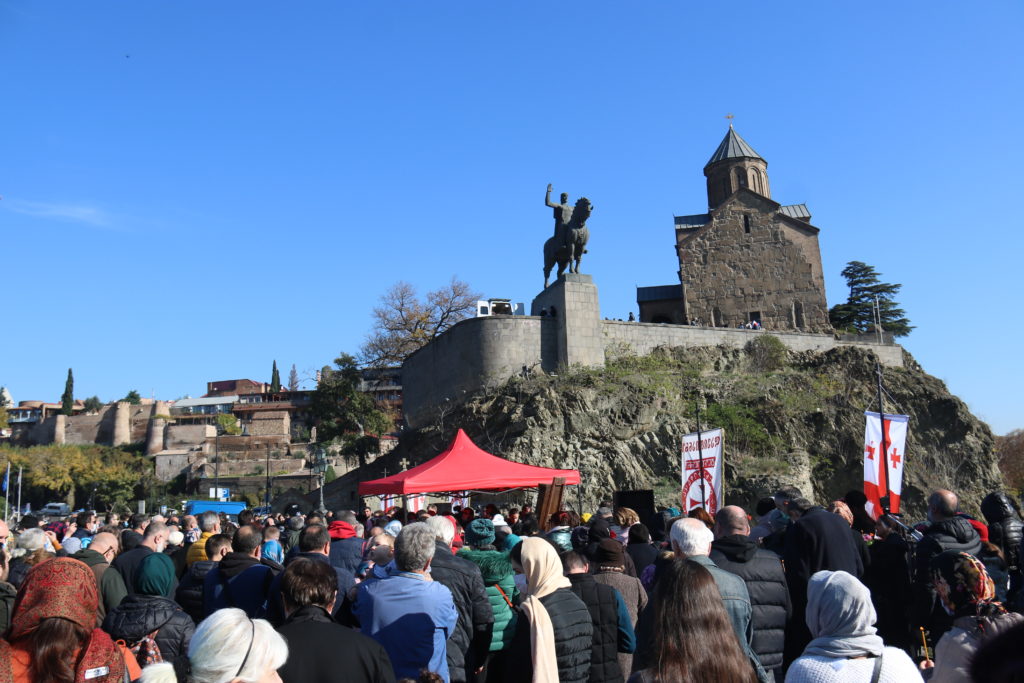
790,418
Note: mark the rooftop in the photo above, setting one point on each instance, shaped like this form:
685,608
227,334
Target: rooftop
659,293
698,220
796,211
733,147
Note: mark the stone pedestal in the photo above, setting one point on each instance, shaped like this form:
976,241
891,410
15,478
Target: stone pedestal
571,305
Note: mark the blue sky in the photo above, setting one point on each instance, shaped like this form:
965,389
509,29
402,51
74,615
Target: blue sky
192,190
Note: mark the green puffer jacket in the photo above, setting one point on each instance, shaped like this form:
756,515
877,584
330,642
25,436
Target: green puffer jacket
496,569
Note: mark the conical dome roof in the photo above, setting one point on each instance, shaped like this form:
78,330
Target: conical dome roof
733,147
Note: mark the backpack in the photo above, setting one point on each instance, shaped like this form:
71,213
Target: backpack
146,651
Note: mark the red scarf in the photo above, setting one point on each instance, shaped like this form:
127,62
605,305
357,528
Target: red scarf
64,588
339,530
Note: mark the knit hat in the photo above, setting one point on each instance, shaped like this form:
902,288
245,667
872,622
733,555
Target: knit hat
155,575
609,554
392,528
498,520
480,532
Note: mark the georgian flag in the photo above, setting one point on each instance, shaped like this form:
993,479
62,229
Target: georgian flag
874,461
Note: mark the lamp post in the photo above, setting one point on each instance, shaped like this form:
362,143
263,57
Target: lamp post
216,459
320,467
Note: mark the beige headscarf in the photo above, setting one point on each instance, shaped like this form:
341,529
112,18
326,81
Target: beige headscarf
544,576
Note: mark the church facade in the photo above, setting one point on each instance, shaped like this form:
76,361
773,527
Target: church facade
747,259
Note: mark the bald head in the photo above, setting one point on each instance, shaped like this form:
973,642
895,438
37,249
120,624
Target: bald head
943,504
731,521
104,541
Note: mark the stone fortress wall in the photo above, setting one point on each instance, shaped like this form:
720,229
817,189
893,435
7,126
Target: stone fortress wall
485,352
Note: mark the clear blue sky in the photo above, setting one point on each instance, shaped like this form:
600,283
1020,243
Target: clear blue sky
193,189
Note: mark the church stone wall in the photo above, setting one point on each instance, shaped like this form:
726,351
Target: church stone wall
774,270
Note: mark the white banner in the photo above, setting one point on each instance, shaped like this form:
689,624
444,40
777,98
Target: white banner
874,475
708,496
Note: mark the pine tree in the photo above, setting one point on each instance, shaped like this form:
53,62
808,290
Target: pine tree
293,379
67,400
275,380
857,314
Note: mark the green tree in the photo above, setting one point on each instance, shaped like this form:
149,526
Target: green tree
4,424
275,380
293,379
67,399
341,408
857,314
132,397
403,323
93,404
229,424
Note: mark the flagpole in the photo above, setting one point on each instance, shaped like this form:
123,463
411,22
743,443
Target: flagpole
19,494
700,460
884,499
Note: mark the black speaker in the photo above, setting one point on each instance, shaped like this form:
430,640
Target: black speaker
640,501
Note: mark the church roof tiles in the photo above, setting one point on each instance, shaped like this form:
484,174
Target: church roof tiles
732,147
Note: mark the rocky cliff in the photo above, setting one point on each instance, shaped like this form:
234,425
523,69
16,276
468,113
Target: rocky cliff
793,418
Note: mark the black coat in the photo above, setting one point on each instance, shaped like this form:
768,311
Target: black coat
275,604
770,605
950,534
190,591
470,641
603,606
574,637
642,554
323,651
1005,528
139,615
888,578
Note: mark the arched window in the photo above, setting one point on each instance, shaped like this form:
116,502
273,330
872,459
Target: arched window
716,317
746,224
726,188
755,181
741,178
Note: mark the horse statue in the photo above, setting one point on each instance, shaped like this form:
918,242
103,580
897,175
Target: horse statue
556,251
578,235
569,243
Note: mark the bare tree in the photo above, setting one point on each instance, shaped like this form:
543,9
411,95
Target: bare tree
403,323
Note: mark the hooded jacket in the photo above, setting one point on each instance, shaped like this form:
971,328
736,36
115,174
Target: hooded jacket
190,591
955,534
464,580
762,571
139,615
496,571
1005,528
111,585
346,547
238,580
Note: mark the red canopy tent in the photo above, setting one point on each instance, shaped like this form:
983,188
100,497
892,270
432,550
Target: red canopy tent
465,467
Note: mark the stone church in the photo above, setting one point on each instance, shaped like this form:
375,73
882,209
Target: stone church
748,258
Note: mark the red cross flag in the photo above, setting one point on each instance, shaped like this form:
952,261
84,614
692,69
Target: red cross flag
874,461
711,447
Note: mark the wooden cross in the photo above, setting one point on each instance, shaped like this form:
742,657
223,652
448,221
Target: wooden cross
730,117
404,463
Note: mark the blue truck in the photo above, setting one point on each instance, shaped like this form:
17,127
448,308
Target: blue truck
198,507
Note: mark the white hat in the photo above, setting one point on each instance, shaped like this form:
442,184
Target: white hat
498,520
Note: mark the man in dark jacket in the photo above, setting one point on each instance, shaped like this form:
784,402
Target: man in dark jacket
314,544
190,591
613,627
346,547
947,531
239,580
154,540
319,649
734,551
1005,530
97,557
816,540
471,640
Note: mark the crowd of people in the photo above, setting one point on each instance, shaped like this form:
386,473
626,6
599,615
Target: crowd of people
794,592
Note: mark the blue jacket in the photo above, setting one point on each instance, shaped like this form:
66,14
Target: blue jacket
412,617
239,580
347,553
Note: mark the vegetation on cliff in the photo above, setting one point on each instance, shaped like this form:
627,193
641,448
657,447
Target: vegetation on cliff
789,418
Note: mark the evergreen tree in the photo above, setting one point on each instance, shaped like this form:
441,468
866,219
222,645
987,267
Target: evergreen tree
275,380
857,314
293,379
133,398
343,410
67,400
93,404
4,424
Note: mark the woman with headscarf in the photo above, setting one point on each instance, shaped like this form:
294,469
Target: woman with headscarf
845,647
154,627
968,595
53,635
227,646
692,638
554,631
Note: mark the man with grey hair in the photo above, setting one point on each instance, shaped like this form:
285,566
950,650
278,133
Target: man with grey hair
691,540
209,525
468,647
409,613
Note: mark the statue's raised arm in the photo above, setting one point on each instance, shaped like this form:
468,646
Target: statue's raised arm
547,198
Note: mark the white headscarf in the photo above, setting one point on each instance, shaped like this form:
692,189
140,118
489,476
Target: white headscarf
840,617
544,576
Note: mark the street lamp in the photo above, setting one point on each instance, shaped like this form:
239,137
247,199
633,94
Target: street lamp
216,459
320,468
